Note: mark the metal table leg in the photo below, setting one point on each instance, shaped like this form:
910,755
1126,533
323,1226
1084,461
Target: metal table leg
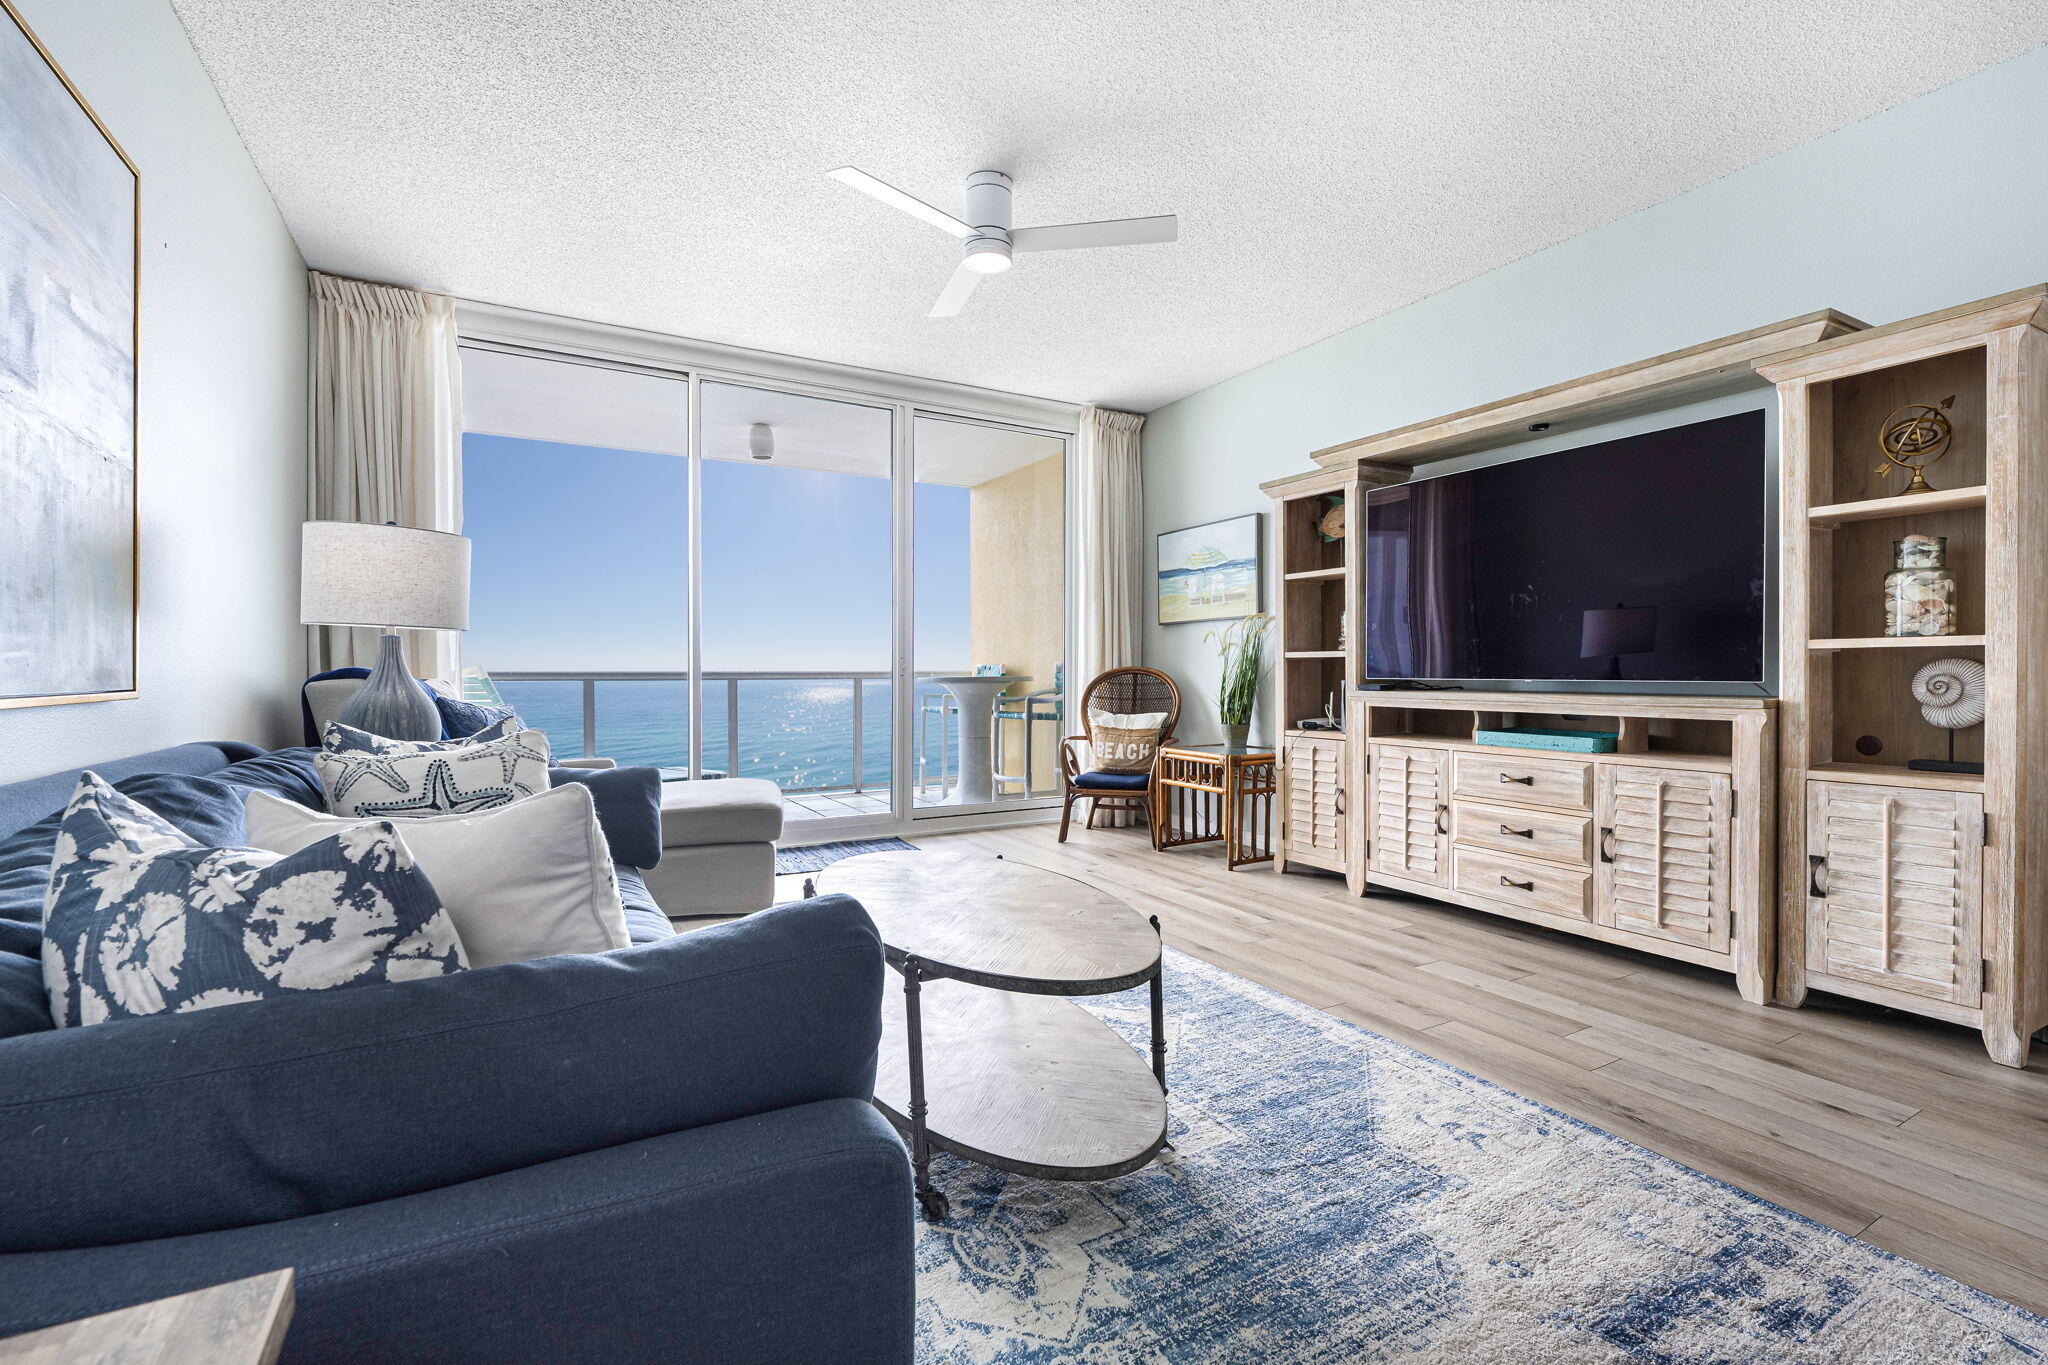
1159,1016
929,1199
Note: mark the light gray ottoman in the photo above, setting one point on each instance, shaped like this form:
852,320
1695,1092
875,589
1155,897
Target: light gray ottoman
718,847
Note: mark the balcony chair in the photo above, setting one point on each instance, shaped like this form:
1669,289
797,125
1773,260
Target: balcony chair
1123,692
1046,705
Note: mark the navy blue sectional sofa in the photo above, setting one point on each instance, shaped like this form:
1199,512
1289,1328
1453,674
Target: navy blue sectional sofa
664,1152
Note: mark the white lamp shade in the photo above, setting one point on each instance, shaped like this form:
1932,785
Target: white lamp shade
361,574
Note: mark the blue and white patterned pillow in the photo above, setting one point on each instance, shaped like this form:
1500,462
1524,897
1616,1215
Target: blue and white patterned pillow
140,919
346,739
367,775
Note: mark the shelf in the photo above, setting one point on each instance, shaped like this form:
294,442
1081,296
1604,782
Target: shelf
1647,758
1899,642
1314,654
1892,775
1878,509
1315,575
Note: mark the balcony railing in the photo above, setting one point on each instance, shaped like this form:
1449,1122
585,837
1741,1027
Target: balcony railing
722,693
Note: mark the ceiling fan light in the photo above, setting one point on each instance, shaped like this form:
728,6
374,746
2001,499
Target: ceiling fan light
761,441
988,262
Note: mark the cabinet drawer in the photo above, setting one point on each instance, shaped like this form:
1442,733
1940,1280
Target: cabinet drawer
1513,829
1524,882
1518,780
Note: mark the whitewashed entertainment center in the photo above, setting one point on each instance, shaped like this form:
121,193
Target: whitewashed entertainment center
1781,839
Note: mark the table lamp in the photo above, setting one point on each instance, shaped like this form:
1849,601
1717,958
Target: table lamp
389,577
1610,632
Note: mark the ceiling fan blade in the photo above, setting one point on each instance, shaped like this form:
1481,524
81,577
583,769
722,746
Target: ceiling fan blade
897,199
1115,232
956,291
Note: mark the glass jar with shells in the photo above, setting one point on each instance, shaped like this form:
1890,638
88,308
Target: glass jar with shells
1920,591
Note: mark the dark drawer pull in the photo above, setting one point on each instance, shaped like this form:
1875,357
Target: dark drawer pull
1442,811
1519,886
1519,833
1528,781
1606,843
1816,876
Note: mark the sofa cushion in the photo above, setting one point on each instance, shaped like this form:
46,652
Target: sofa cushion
646,922
36,798
520,881
184,1123
727,810
777,1238
142,920
628,806
1113,782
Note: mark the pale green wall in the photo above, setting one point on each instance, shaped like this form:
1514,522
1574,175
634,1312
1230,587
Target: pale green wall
1939,201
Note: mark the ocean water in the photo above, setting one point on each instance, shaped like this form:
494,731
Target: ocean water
797,733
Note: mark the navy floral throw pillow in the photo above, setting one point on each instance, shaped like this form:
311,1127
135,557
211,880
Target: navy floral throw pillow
140,919
367,775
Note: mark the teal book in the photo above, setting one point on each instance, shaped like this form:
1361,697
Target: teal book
1568,741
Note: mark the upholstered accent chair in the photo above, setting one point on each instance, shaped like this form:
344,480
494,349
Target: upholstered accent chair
1124,692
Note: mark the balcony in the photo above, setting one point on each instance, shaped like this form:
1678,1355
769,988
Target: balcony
822,736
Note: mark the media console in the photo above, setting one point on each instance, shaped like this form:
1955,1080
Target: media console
1664,846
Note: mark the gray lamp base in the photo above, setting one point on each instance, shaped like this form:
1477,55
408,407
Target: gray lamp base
392,703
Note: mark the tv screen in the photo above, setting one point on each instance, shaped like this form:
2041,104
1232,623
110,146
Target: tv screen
1635,560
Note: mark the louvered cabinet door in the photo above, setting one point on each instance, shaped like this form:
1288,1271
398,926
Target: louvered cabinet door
1315,801
1663,853
1409,819
1895,888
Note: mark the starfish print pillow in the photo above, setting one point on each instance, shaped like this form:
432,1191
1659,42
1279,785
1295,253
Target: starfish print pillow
375,778
141,919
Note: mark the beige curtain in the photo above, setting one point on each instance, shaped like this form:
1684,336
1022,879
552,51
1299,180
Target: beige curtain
1109,544
386,436
1109,556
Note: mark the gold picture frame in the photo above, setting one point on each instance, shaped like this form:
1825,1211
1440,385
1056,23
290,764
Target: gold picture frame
29,107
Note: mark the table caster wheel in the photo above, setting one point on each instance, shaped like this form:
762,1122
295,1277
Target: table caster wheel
934,1205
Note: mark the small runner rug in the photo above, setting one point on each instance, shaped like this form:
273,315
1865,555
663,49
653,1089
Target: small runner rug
818,857
1336,1197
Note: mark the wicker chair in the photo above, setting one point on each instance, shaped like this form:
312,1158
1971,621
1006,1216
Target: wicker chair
1124,692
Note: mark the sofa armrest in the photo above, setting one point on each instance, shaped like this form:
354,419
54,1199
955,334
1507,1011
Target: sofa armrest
172,1124
594,764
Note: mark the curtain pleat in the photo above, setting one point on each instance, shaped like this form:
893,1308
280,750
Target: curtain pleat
386,436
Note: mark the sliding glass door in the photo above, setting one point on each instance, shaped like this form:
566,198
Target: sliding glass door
796,596
860,601
989,575
576,500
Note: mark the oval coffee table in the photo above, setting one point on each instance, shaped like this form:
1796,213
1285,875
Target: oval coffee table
981,1055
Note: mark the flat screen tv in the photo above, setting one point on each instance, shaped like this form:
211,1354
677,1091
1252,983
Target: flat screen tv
1635,560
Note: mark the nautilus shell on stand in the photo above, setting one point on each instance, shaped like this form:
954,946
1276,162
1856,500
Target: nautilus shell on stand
1951,693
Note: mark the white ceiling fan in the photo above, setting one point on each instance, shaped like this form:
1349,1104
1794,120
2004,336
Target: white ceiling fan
988,236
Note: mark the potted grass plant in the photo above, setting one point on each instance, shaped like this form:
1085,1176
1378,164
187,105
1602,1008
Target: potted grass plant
1242,646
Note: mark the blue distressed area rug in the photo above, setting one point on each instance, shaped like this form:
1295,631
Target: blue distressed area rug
1336,1198
818,857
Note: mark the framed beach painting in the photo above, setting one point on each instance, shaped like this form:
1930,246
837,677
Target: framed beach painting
69,217
1210,572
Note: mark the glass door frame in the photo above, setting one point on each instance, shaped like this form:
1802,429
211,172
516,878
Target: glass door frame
906,398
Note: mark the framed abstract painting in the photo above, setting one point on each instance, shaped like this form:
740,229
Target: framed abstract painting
1210,572
70,207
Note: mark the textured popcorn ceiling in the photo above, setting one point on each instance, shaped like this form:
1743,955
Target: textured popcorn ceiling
661,164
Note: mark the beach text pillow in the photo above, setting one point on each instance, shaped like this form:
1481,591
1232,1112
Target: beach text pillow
376,778
1124,744
141,919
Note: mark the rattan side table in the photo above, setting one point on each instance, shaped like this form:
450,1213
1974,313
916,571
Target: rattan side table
1202,793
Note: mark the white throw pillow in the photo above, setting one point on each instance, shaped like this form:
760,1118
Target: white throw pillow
521,881
396,778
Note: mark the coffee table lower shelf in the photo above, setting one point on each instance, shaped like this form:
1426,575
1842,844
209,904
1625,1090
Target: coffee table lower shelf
1033,1084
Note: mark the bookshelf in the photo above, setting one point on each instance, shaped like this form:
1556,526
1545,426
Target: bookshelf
1914,889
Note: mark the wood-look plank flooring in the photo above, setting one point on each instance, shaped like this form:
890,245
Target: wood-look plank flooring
1893,1129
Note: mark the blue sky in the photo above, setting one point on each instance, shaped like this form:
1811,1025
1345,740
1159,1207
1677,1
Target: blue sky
581,562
